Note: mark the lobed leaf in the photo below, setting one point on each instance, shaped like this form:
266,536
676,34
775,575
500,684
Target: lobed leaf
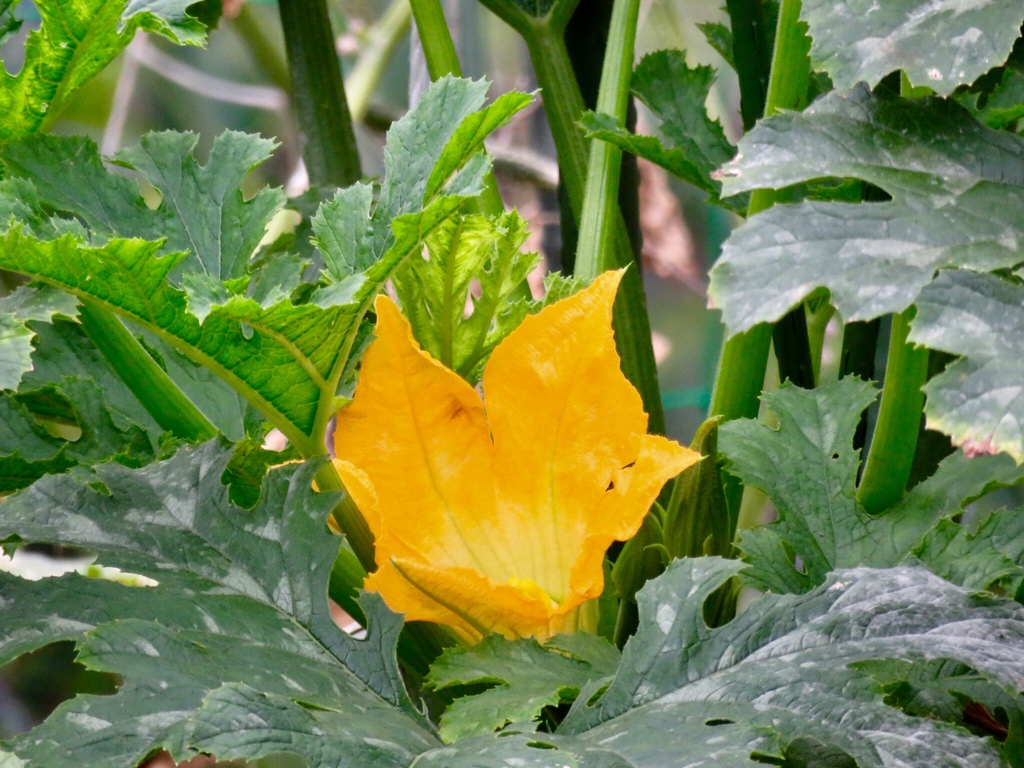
937,44
525,677
435,292
202,211
957,194
695,145
76,40
241,597
808,468
978,399
17,310
785,669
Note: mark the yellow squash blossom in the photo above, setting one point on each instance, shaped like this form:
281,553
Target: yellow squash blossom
494,515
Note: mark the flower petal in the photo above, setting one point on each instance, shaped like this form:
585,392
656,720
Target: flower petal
516,608
418,434
621,511
565,422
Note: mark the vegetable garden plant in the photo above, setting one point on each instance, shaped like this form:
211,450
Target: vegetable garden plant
881,179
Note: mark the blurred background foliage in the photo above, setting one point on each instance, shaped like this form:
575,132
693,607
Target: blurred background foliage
240,82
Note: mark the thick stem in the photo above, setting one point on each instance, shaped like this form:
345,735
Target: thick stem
438,46
159,395
349,518
752,57
595,253
318,94
787,89
891,455
563,105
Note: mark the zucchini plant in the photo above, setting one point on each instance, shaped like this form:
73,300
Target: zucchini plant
480,477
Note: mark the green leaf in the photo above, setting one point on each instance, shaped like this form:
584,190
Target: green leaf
64,354
234,653
241,339
939,45
76,40
27,451
997,98
785,670
977,400
202,210
16,311
957,189
299,344
949,691
695,145
979,555
241,597
526,677
435,291
719,37
808,468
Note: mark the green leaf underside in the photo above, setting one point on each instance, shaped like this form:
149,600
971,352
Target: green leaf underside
979,399
938,44
234,652
434,291
280,367
695,145
784,665
527,677
808,468
16,311
286,360
77,39
57,378
201,211
958,197
242,596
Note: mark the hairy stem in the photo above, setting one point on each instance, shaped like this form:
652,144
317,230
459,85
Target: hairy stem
318,94
159,395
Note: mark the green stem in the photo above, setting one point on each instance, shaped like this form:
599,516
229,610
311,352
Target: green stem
382,39
442,59
563,105
436,38
318,94
787,89
595,251
891,455
349,518
751,56
167,404
260,48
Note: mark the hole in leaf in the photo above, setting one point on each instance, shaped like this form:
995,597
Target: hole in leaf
719,721
540,745
36,683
